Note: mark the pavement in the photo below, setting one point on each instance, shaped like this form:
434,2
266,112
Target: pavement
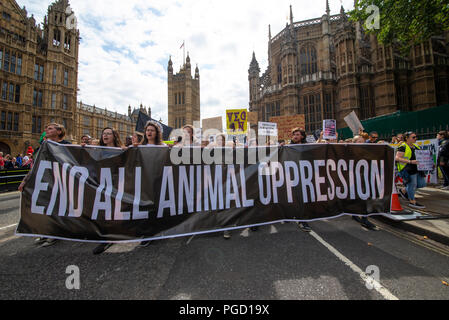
435,222
277,261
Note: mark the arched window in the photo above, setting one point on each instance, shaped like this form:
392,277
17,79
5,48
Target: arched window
56,37
308,60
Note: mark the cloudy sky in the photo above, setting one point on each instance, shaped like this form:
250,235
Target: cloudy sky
126,45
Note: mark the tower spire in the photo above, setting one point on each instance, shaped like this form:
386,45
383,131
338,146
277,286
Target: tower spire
269,32
327,8
291,15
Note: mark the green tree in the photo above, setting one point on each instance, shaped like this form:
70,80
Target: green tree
403,23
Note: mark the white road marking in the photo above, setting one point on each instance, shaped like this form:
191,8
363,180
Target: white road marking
7,227
190,239
376,285
7,239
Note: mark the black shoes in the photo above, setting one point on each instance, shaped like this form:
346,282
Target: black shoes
44,242
304,226
144,244
416,205
367,224
102,247
403,194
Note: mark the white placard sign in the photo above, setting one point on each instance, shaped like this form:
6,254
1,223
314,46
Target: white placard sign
268,129
329,129
425,160
353,123
310,139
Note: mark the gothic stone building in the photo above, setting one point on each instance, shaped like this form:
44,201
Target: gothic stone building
91,120
183,95
39,80
327,67
39,71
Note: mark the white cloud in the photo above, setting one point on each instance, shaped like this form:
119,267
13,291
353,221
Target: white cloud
126,45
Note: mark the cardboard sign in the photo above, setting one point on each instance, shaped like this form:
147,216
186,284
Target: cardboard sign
287,123
252,117
236,121
212,123
353,123
329,129
268,129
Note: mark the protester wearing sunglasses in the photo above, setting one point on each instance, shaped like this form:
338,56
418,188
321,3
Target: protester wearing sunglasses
373,136
408,169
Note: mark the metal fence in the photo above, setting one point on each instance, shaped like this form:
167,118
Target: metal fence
425,123
10,179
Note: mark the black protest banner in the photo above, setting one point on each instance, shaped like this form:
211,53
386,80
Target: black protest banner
107,194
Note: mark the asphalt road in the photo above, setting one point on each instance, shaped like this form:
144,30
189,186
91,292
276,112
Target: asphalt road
276,262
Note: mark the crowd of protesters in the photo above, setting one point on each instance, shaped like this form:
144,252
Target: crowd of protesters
152,136
18,162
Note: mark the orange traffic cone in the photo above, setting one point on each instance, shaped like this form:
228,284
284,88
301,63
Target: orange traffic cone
395,204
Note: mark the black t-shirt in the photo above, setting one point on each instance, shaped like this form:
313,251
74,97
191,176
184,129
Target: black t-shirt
411,168
302,142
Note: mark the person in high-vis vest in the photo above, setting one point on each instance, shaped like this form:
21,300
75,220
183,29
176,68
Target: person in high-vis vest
408,168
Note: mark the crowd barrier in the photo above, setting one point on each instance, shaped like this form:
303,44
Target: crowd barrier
10,179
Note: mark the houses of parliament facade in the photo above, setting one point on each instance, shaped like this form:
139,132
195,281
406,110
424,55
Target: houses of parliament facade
327,67
39,80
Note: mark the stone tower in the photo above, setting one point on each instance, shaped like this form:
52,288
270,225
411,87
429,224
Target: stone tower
62,43
39,69
183,95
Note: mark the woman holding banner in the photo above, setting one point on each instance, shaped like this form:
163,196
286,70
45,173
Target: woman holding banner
152,137
188,137
53,132
408,168
109,138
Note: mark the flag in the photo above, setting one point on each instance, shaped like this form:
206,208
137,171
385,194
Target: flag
182,45
142,121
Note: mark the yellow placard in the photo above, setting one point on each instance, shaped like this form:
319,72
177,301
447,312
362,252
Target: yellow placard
236,121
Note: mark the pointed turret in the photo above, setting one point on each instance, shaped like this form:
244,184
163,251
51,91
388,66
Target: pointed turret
188,65
197,72
170,66
328,11
254,69
291,15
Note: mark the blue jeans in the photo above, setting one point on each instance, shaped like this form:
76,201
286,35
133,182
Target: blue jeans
412,182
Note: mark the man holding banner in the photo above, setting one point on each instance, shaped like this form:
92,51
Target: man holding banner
299,137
